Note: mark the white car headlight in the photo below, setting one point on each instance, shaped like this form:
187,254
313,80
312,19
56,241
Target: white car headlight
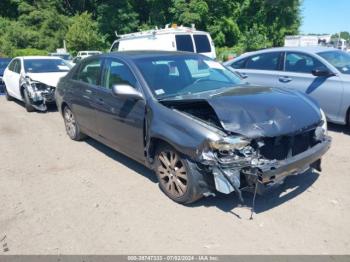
229,143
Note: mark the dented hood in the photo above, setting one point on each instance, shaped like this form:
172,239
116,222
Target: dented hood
50,79
264,112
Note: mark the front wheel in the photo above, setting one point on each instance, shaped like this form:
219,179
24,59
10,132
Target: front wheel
27,103
72,127
177,177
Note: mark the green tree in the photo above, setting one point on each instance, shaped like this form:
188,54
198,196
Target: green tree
116,16
83,34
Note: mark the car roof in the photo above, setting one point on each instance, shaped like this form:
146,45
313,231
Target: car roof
38,57
306,49
146,54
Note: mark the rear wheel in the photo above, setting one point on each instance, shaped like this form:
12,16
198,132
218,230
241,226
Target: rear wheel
72,127
176,175
8,97
27,103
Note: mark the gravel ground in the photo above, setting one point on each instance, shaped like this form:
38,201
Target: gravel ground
58,196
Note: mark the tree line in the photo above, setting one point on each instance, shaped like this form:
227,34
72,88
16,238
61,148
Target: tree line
42,25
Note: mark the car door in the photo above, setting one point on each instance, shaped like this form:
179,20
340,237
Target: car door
12,79
297,74
259,69
82,93
120,119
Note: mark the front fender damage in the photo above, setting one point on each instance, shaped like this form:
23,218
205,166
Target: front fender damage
40,94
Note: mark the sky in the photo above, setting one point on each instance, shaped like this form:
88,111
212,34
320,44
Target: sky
325,16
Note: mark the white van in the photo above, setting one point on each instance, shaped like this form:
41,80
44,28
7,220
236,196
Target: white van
168,39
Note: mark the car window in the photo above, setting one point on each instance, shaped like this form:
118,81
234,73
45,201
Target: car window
12,65
175,76
184,43
89,72
44,65
115,47
18,67
116,72
197,69
239,64
338,59
202,43
265,61
301,63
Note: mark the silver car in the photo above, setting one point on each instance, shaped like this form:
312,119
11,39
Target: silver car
321,72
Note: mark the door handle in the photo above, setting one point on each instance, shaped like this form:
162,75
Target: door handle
285,79
88,91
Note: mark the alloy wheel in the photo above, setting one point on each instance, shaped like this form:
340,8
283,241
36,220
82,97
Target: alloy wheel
172,173
70,123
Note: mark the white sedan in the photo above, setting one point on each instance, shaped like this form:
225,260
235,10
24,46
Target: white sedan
33,79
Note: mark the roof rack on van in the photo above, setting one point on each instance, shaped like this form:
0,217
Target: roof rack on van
169,28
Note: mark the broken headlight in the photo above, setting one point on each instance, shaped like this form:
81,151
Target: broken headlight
36,86
229,143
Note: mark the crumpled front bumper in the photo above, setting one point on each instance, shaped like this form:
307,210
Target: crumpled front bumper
272,172
269,176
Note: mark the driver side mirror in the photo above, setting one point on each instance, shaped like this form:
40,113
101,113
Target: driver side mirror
322,72
126,91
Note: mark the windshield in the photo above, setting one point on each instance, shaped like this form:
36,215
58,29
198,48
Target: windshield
175,75
338,59
45,65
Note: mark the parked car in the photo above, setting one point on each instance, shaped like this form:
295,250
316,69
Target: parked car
175,38
321,72
192,121
3,64
33,79
65,56
83,54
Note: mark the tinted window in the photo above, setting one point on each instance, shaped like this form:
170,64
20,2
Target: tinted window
116,72
45,65
12,65
338,59
89,72
239,64
302,63
202,43
115,47
265,61
18,67
176,76
184,43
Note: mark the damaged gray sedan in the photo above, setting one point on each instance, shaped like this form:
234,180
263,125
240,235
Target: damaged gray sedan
193,122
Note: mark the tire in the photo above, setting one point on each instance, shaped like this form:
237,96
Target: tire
8,97
177,176
72,127
27,103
